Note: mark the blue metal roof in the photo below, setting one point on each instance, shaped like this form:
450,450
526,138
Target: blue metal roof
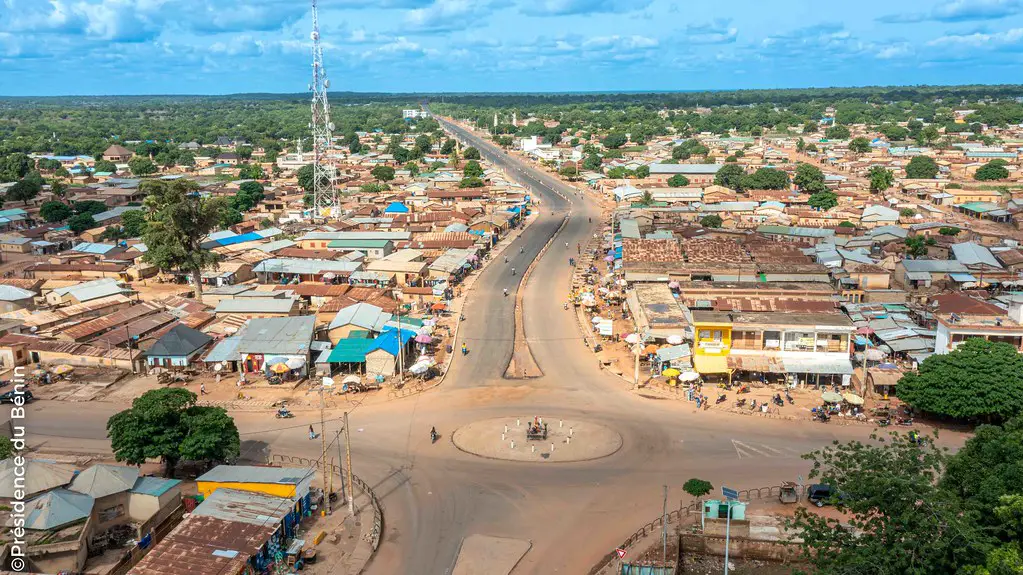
396,208
241,238
388,340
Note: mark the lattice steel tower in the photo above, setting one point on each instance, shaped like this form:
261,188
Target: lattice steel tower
326,202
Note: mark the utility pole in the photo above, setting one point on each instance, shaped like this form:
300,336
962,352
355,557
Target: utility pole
636,374
348,464
326,470
340,461
401,352
664,530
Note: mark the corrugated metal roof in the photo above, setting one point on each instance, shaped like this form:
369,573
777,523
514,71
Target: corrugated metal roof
256,474
255,305
971,253
280,335
154,486
306,266
101,480
241,506
350,350
57,508
364,315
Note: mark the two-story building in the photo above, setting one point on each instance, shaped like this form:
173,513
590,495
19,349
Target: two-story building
797,348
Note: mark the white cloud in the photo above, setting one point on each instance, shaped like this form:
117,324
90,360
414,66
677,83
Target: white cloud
447,15
570,7
717,32
996,40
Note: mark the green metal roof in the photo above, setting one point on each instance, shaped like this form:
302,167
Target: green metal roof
351,350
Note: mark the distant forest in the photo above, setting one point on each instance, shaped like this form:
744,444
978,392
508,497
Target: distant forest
88,124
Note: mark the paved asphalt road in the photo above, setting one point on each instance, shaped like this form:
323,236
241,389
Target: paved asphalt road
434,495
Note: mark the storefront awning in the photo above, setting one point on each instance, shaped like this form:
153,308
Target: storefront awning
755,363
821,366
711,363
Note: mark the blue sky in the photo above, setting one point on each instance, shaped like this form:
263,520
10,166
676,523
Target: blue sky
58,47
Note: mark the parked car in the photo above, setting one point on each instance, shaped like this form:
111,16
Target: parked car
821,494
8,397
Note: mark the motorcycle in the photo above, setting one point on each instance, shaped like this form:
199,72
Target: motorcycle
753,405
822,417
433,435
908,421
743,389
778,400
884,422
788,397
283,413
740,402
721,398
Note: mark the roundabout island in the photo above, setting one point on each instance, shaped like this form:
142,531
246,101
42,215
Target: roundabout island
537,439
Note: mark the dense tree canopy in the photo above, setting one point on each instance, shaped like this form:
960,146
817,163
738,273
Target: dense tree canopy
837,133
55,211
764,179
730,176
823,200
473,169
141,166
993,170
471,153
809,178
979,380
382,173
78,223
922,167
711,221
166,424
678,181
880,178
179,220
859,145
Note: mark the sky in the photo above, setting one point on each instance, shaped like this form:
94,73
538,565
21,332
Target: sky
117,47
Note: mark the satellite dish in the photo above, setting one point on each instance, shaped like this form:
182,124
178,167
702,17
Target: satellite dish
218,367
314,35
326,83
331,125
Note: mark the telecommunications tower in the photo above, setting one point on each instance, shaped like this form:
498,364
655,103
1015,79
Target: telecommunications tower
326,202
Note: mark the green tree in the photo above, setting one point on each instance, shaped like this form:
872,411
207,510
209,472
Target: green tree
711,221
186,159
949,231
81,222
809,178
678,181
907,212
764,179
800,145
91,207
14,167
448,146
141,166
134,223
305,177
48,165
382,173
592,162
922,168
179,221
166,424
978,381
823,200
730,176
62,173
847,225
643,172
108,166
987,468
505,141
615,140
471,153
55,211
569,171
899,520
23,190
991,171
837,132
859,145
251,172
473,169
647,199
697,487
113,234
809,127
471,183
229,217
413,169
915,246
880,178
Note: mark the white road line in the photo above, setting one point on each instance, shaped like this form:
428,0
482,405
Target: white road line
771,449
741,447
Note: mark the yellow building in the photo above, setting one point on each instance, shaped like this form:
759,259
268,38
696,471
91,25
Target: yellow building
713,343
289,482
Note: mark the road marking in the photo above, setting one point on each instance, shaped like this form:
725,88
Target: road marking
745,449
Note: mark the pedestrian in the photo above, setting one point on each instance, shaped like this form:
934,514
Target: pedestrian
312,434
202,389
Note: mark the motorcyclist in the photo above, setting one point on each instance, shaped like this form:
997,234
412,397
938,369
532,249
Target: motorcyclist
521,250
505,292
513,271
433,433
465,349
505,259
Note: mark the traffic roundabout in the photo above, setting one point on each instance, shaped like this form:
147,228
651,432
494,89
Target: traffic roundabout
537,439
